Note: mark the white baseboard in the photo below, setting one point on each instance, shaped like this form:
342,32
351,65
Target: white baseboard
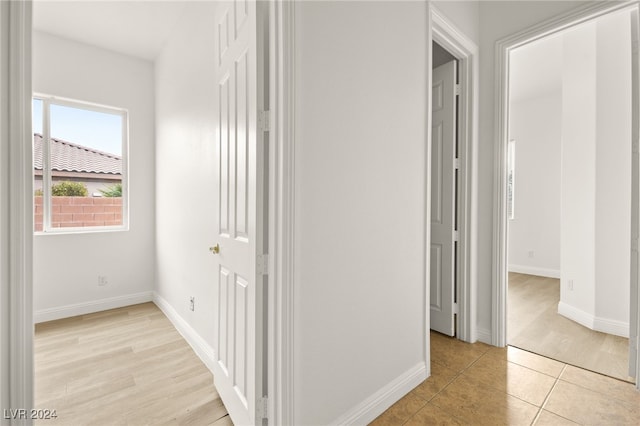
484,335
575,314
91,307
610,326
365,412
604,325
200,346
532,270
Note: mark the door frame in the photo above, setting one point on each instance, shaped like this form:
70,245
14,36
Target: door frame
447,35
16,217
280,317
16,220
500,229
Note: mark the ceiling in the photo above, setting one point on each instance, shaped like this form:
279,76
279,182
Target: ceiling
135,28
536,68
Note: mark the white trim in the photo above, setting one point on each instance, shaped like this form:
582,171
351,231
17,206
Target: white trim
534,270
634,293
92,306
5,341
16,208
376,404
575,314
281,213
462,48
484,335
427,179
609,326
198,344
603,325
500,231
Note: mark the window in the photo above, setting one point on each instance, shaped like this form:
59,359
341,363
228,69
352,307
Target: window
79,166
511,163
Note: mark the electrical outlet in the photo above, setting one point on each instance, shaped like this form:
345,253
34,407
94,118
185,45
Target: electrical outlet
570,284
531,254
192,303
102,280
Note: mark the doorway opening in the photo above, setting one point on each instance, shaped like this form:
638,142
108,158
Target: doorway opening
444,191
565,262
569,297
229,280
451,276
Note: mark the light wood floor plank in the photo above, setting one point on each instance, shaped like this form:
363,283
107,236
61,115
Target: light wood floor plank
126,366
535,325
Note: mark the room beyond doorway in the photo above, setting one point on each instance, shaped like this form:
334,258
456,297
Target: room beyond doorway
568,194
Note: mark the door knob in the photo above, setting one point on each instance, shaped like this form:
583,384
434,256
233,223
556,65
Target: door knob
215,249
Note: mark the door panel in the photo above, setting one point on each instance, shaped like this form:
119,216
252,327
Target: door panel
223,141
436,174
443,133
238,373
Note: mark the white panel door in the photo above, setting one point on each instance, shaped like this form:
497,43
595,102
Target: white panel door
237,332
443,140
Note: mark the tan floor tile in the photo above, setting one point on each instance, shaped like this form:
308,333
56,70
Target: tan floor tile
589,407
478,405
440,377
455,354
516,380
432,415
603,384
400,412
549,419
530,360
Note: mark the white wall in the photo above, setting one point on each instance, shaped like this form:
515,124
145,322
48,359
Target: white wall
185,186
5,248
360,201
596,185
66,266
578,180
536,125
613,169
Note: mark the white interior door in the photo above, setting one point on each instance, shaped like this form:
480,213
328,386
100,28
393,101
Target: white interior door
237,335
443,134
634,370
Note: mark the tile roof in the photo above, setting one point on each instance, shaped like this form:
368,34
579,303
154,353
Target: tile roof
71,157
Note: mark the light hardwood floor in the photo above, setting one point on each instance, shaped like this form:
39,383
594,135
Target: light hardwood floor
477,384
535,325
126,366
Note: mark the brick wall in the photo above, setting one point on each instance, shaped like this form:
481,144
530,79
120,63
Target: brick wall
70,212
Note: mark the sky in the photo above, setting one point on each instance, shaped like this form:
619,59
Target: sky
97,130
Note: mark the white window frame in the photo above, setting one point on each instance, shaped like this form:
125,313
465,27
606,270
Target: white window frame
48,100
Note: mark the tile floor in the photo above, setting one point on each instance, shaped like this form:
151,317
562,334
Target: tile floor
477,384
